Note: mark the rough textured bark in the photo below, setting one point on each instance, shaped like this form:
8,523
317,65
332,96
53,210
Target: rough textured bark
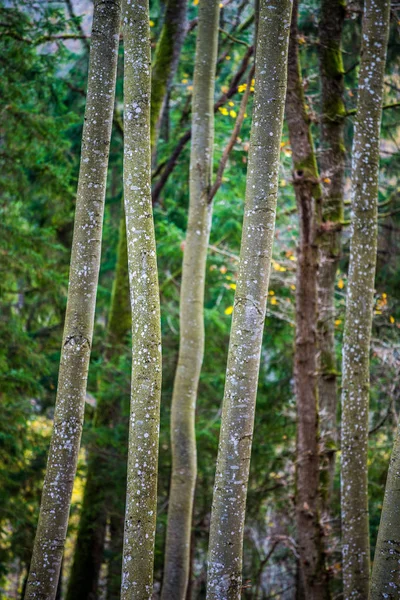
100,489
232,472
191,348
78,329
385,582
166,59
332,163
308,196
141,499
360,298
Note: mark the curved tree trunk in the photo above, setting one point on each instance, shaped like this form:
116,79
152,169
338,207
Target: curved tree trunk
385,582
100,488
360,299
141,498
308,197
232,472
78,329
332,161
191,348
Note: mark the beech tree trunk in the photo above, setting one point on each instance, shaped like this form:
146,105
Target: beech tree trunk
232,472
78,329
191,348
385,582
141,499
332,162
360,299
100,489
308,197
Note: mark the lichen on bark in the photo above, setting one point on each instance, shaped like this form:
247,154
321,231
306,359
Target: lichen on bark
141,498
78,328
232,471
360,299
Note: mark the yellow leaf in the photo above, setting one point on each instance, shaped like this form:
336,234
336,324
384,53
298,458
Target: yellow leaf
326,180
292,287
274,300
283,144
378,312
224,89
151,23
242,88
271,293
231,103
229,310
391,319
338,321
301,39
223,110
293,257
282,183
233,114
340,284
223,269
384,295
276,266
195,2
184,81
227,57
232,286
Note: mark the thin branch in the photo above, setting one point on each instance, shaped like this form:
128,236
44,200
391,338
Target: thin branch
232,139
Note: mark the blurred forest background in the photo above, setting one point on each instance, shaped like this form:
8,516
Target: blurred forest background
43,63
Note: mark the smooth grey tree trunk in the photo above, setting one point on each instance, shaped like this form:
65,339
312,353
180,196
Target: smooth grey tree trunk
232,472
141,498
191,348
78,328
360,299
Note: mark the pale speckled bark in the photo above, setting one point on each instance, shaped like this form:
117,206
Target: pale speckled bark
232,472
101,488
191,347
360,297
385,582
332,161
78,329
308,196
141,499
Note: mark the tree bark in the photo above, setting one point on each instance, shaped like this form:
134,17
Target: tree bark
100,485
360,298
308,196
232,472
385,582
191,348
332,162
141,499
78,329
166,60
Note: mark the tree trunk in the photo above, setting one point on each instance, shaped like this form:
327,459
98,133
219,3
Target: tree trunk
332,161
232,472
385,582
166,60
100,485
308,196
360,299
78,329
191,349
141,499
